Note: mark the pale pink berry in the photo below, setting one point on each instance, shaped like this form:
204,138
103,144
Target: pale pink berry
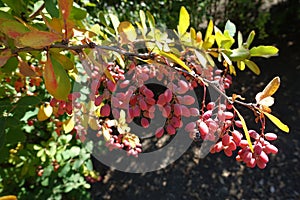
190,127
188,100
168,95
203,128
270,136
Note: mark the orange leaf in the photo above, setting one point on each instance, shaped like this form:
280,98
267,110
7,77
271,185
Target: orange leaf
56,79
4,56
38,39
65,7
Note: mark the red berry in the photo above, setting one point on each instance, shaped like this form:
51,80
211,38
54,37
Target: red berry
159,132
105,110
270,136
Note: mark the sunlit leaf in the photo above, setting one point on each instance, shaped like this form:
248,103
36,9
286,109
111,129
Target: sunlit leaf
56,79
263,51
239,54
115,21
143,19
184,21
230,27
269,90
38,39
175,59
250,39
232,70
44,112
151,20
4,56
8,197
252,66
127,32
245,129
209,30
241,65
227,59
68,125
240,39
62,59
277,122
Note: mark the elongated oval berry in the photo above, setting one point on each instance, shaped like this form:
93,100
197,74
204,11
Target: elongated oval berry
232,145
238,124
194,112
136,111
161,100
253,134
170,129
270,136
225,140
203,128
150,101
175,121
143,104
264,157
251,163
144,122
243,143
159,132
177,110
258,149
219,146
228,115
124,84
269,148
247,156
148,93
168,95
221,116
166,111
185,111
105,110
210,105
188,100
183,87
111,86
228,152
260,164
237,136
190,127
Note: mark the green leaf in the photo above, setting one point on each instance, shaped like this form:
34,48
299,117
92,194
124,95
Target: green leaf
250,39
244,128
151,20
78,13
27,101
143,19
10,66
2,132
184,21
62,59
74,151
51,8
252,66
115,21
277,122
240,39
15,135
239,54
4,56
230,27
19,7
263,51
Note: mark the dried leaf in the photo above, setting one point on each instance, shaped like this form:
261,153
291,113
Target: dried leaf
25,68
269,90
277,122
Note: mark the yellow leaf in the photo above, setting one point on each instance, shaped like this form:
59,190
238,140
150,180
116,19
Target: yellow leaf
209,30
277,122
184,21
269,90
241,65
68,125
115,21
175,59
245,129
44,112
8,197
252,66
93,123
127,32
